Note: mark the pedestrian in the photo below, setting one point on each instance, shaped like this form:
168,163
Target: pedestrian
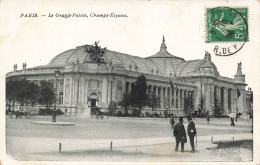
180,134
208,118
232,121
191,132
172,122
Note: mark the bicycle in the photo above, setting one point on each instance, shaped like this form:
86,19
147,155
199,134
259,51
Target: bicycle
169,127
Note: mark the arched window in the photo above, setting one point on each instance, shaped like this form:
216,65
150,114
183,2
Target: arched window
61,98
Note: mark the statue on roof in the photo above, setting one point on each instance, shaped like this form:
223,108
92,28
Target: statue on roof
24,65
239,68
15,67
207,56
96,53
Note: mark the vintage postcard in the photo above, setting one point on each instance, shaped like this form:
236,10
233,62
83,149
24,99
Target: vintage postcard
129,81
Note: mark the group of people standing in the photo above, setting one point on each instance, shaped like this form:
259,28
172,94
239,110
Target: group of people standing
180,133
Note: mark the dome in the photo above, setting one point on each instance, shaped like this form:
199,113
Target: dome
201,65
162,63
166,61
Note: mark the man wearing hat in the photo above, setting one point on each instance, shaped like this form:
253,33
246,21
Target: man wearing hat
180,134
191,132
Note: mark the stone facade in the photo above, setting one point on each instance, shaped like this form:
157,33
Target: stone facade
84,84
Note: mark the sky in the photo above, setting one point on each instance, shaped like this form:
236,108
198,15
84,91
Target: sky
37,40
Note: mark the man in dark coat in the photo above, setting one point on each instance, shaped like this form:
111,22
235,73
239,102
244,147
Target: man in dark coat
180,134
191,132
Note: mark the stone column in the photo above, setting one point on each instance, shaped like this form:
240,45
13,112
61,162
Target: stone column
225,101
104,91
166,92
170,98
207,96
109,91
114,87
183,98
218,95
130,87
86,92
212,100
123,87
76,90
156,91
179,99
174,97
71,95
161,96
82,87
232,100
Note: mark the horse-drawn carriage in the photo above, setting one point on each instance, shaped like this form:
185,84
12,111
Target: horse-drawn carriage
28,112
96,113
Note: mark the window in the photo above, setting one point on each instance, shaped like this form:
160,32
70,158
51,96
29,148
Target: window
61,98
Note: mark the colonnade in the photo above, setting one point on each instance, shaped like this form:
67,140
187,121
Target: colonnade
176,95
224,99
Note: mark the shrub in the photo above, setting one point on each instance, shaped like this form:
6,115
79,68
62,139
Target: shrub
136,113
156,114
147,114
112,107
120,114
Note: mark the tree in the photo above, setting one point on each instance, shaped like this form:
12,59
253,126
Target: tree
154,102
138,96
125,103
96,53
21,95
201,106
217,108
32,94
21,91
187,105
11,92
112,107
46,94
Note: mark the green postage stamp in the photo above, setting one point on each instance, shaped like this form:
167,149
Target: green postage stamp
225,24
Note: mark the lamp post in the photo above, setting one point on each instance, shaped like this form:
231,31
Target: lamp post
57,75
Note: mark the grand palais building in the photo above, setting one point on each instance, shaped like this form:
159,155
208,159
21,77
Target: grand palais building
84,84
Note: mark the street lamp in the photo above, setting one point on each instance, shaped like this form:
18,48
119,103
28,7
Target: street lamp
57,75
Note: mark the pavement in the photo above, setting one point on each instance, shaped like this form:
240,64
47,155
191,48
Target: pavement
140,148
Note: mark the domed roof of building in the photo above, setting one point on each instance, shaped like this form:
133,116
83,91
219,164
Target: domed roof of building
162,63
185,68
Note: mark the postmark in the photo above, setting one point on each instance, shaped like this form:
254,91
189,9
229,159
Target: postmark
227,29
